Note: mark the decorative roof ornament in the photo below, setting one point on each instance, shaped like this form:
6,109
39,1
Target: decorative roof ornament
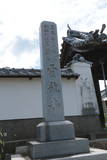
77,58
86,41
68,72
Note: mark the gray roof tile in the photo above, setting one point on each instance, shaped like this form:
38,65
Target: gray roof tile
13,72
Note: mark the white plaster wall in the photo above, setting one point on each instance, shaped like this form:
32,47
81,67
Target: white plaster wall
71,103
20,98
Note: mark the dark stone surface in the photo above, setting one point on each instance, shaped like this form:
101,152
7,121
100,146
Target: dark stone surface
26,128
86,125
20,131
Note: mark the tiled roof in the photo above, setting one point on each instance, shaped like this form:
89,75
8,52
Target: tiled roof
13,72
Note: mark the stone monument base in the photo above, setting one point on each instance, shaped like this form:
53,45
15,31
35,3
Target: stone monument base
57,148
95,154
55,131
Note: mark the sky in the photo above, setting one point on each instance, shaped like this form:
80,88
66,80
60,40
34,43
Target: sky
20,21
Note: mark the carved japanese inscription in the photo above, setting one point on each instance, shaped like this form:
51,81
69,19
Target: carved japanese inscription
53,109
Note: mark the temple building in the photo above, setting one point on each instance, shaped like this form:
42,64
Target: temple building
93,47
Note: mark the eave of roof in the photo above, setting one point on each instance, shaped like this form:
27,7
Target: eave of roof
95,56
31,73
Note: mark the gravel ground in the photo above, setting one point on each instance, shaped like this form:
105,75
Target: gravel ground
99,143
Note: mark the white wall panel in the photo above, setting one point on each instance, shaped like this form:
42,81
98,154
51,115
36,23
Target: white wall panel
20,98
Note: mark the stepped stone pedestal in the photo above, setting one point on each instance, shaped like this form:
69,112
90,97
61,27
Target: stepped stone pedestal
53,131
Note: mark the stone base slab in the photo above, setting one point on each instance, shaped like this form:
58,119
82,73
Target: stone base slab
57,148
95,154
53,131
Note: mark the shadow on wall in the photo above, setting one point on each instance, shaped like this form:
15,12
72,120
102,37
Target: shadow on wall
88,111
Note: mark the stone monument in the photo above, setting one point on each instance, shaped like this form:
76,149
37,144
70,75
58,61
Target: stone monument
55,136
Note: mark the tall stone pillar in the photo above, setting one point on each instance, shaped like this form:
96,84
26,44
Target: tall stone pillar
55,136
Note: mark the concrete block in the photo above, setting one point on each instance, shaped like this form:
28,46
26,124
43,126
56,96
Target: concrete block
57,148
95,154
53,131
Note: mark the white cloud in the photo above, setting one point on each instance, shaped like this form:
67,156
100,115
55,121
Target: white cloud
21,18
27,60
